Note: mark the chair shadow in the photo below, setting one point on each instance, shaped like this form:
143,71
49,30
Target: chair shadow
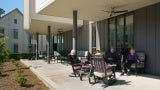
116,83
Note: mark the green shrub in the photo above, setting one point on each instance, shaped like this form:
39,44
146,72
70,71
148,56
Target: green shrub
16,63
1,71
12,60
19,71
21,80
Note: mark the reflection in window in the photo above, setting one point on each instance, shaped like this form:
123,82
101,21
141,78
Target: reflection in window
112,33
1,32
129,30
15,21
15,48
15,33
93,37
120,32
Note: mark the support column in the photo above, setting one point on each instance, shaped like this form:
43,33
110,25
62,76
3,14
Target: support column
74,32
49,44
37,45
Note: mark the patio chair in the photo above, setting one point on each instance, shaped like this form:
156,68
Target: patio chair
83,55
76,65
86,66
101,70
141,64
59,57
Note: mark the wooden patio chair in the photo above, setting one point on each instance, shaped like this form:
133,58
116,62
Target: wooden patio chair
141,64
102,70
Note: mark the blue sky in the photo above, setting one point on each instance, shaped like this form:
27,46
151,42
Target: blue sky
9,5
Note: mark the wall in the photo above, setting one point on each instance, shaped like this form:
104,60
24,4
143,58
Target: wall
147,36
82,38
7,22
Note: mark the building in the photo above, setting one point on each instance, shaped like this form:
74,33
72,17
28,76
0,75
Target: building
11,25
99,30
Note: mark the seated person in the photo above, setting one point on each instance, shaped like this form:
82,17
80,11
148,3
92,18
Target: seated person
112,57
73,58
131,58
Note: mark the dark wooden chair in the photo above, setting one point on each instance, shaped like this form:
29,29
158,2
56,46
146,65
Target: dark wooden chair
76,65
58,57
101,70
141,64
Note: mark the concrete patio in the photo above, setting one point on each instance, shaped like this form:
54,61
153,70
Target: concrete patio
57,77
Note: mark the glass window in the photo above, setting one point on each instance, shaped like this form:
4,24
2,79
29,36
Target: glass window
15,48
15,33
93,37
120,32
112,33
1,30
129,30
15,21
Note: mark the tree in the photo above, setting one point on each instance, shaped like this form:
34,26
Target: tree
1,12
4,53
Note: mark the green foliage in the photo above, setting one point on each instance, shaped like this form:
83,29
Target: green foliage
128,45
21,80
12,60
16,63
4,52
1,71
20,71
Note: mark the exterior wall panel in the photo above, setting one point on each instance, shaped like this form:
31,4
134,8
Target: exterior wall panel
158,39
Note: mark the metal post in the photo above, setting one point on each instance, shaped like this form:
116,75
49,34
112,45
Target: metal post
49,46
37,45
74,32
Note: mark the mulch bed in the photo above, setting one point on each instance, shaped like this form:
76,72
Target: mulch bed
7,81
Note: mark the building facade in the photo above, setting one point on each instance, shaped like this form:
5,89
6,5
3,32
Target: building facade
138,28
11,25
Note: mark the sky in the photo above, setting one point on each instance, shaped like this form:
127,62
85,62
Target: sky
9,5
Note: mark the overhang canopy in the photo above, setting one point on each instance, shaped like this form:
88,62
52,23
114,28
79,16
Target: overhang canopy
87,9
35,23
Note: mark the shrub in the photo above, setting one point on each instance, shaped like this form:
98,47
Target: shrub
20,71
16,63
4,53
21,80
1,71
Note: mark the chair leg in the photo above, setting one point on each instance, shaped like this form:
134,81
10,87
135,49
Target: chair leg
95,79
105,80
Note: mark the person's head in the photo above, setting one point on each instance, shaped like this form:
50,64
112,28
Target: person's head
73,52
112,50
132,51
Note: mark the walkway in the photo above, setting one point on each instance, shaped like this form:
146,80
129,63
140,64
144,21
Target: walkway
57,76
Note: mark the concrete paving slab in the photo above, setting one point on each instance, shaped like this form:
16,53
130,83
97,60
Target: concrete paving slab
56,77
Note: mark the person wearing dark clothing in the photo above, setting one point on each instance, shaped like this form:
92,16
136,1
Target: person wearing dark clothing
112,57
124,53
131,59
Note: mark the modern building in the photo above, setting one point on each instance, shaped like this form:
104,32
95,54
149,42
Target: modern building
106,23
11,25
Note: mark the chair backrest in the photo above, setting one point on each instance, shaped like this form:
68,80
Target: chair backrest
82,53
141,56
98,63
56,54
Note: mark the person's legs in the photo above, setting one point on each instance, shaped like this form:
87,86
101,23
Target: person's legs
129,63
123,67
